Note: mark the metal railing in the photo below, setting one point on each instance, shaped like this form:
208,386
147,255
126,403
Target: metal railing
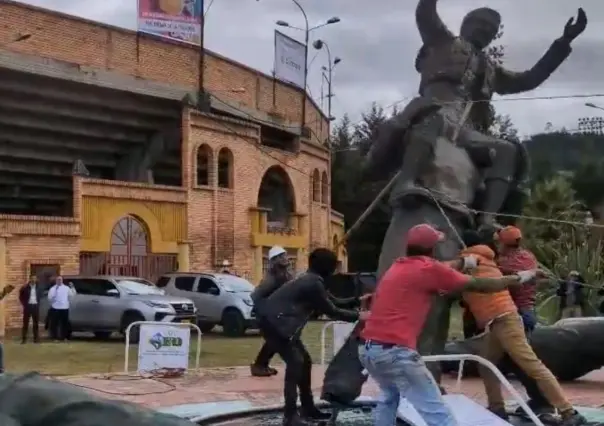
462,358
171,324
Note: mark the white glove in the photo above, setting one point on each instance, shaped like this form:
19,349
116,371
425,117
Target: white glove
469,263
526,276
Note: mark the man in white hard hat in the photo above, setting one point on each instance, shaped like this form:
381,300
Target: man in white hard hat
277,274
226,267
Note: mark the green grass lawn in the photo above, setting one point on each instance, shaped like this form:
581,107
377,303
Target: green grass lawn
85,355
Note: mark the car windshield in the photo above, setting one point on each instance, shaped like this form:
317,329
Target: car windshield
133,287
236,284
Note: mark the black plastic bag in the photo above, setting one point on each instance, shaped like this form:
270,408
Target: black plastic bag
344,378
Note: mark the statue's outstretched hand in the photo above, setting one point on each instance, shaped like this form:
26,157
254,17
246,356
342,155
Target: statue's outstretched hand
574,27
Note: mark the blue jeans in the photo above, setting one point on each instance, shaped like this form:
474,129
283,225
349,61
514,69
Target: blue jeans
400,372
529,319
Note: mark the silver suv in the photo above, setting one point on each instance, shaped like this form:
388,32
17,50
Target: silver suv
105,304
220,299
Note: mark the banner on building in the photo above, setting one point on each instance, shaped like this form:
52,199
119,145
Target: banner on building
290,60
163,346
174,19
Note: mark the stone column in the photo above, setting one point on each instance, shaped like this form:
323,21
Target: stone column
183,257
257,265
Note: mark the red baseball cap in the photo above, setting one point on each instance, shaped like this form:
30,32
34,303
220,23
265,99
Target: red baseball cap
424,236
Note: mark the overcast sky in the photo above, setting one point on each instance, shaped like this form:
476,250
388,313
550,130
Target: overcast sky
377,41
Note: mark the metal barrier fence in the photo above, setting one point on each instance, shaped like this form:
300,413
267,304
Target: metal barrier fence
341,333
139,323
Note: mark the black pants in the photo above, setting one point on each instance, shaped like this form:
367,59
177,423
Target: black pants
59,324
298,368
30,312
266,354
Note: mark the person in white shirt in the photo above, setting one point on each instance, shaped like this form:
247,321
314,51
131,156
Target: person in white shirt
29,296
59,297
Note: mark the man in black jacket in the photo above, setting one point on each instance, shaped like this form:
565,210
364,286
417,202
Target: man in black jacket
571,296
277,275
30,296
286,312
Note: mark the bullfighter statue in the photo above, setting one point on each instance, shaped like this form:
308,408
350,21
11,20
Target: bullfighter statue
448,165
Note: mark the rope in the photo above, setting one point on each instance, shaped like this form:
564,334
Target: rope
548,272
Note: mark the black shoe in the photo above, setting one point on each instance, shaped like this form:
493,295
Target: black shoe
295,420
313,413
573,419
258,371
500,412
545,413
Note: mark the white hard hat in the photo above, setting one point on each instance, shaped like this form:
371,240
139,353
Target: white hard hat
275,251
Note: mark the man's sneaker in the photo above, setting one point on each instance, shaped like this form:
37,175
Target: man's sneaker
295,420
258,371
539,410
500,412
313,413
573,419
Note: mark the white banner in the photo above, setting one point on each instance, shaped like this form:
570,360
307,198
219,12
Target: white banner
290,60
163,346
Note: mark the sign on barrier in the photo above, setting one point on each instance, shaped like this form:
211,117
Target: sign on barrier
162,345
340,330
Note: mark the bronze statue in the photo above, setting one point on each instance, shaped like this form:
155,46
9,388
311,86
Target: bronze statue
447,164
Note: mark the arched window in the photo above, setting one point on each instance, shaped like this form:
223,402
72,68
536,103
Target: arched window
129,238
316,186
277,194
204,165
225,168
324,188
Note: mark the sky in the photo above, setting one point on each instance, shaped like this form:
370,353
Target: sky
377,42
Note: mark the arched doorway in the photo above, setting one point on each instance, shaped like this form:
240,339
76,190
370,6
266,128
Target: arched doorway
129,255
277,194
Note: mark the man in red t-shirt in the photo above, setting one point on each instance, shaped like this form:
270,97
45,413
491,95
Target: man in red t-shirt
400,306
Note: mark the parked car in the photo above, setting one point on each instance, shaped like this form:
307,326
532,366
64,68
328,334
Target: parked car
107,304
220,299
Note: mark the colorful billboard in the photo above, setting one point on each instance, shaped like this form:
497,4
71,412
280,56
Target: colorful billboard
174,19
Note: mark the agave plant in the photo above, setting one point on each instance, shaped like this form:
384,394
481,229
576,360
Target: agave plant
561,247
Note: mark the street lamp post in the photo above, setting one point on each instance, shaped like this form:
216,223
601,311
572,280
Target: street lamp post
319,44
307,30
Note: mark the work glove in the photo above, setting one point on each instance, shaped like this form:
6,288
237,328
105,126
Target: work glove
469,262
526,276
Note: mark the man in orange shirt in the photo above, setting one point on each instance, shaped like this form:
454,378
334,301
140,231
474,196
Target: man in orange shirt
497,313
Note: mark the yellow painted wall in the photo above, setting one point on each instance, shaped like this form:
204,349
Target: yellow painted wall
166,222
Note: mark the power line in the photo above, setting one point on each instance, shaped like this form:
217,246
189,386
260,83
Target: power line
408,98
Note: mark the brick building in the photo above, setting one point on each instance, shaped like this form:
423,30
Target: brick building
105,167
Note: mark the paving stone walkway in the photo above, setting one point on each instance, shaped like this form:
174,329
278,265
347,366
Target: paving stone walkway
235,384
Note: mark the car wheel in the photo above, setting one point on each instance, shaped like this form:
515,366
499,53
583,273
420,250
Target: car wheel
102,335
233,323
134,331
205,327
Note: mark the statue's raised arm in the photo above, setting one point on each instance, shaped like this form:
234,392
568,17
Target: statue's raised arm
431,28
508,82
